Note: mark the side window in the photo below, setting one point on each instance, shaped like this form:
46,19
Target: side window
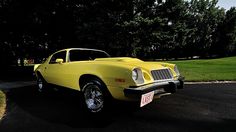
59,55
83,55
79,55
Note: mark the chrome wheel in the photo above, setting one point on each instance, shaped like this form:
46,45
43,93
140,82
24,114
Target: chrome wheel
93,97
40,84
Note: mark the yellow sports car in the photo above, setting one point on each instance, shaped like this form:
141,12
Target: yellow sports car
100,77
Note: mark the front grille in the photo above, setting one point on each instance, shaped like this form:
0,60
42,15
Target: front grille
161,74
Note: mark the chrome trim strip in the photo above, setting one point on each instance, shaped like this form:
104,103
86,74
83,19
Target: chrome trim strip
155,84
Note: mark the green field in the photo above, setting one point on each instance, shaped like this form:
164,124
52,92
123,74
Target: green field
223,69
2,103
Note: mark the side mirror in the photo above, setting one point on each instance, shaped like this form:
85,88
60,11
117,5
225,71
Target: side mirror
59,60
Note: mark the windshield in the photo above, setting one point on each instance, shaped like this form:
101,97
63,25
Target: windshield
83,55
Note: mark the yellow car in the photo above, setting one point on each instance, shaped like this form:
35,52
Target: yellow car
100,77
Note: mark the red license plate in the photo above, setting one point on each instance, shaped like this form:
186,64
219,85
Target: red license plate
146,98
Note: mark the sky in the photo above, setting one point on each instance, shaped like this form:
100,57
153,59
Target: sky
227,3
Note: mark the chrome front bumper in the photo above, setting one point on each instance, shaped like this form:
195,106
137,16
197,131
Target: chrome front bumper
170,86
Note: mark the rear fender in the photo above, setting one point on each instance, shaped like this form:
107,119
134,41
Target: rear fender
36,66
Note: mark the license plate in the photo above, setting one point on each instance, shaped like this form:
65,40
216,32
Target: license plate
146,98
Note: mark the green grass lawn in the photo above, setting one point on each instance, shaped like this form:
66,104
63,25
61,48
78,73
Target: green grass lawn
223,69
2,103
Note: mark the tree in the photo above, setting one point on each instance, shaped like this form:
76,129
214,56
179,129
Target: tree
226,35
205,18
146,29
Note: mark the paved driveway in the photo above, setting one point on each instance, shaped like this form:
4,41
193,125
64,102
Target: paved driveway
202,107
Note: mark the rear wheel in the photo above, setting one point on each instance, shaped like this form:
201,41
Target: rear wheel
41,84
95,96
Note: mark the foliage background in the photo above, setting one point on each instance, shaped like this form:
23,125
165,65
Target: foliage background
147,29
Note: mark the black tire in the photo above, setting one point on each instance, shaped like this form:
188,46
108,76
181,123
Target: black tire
171,88
95,96
181,84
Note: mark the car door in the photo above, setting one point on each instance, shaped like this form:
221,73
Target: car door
55,71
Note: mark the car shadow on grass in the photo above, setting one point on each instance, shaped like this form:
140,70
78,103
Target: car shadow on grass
63,107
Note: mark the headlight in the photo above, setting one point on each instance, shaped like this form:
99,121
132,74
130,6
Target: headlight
137,76
176,71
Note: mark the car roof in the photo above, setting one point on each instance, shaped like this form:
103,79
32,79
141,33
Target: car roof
84,49
68,49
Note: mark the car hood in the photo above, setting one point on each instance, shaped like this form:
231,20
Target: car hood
134,62
119,59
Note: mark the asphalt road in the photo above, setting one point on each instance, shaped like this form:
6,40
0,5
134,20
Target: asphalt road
205,107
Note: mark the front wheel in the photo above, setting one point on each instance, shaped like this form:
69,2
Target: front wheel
95,96
181,84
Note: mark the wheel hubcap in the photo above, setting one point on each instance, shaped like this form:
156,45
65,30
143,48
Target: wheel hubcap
93,98
40,84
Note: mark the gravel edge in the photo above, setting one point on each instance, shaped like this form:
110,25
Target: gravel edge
2,109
